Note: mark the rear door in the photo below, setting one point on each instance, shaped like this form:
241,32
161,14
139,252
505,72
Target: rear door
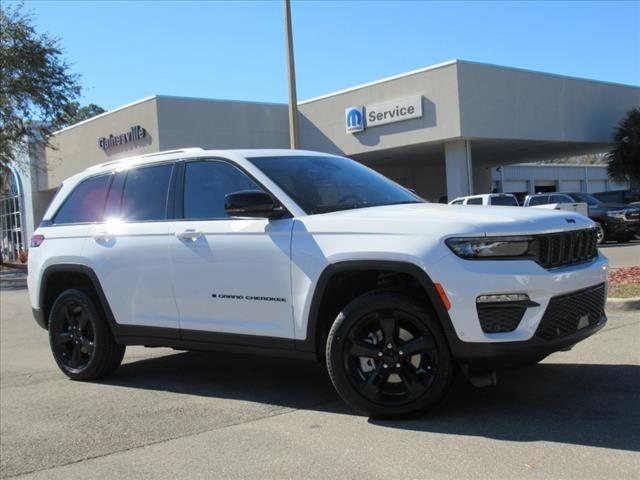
230,275
130,248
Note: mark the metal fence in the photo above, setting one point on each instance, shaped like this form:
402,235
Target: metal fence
11,232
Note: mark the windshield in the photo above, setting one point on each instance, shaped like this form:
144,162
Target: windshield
327,184
505,200
585,198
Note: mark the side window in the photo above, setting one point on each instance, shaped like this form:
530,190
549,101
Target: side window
541,200
85,203
205,185
145,193
114,197
475,201
560,199
457,202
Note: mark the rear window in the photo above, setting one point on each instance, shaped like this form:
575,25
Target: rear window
507,201
542,200
85,203
145,193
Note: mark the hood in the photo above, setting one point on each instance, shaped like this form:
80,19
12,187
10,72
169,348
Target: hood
446,220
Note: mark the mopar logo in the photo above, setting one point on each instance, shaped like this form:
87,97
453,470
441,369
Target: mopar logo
355,119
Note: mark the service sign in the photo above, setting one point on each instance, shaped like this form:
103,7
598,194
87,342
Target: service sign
394,111
359,118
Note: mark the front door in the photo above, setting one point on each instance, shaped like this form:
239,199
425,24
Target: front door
230,275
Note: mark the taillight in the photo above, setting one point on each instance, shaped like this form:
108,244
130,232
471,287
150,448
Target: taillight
36,240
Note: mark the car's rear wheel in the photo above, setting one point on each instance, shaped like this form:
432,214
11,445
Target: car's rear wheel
388,357
80,339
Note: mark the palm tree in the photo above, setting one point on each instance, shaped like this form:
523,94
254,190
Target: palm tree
624,159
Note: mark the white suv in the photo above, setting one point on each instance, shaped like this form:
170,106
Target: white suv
308,255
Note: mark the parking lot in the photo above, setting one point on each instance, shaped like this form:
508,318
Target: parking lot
167,414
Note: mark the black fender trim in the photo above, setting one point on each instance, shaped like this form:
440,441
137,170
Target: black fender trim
310,343
116,328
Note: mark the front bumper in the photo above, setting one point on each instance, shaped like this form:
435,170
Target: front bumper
489,356
623,228
465,280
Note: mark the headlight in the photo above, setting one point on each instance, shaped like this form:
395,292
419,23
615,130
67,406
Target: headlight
617,214
496,247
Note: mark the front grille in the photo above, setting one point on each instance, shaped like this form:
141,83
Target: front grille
499,318
567,314
567,248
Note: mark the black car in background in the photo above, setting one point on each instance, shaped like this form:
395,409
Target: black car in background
616,221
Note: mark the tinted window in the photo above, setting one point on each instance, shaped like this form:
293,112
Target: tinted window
326,184
205,187
541,200
85,203
145,193
474,201
505,200
585,198
560,199
457,202
112,207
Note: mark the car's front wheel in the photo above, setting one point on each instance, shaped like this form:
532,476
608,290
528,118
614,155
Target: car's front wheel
600,235
388,357
80,339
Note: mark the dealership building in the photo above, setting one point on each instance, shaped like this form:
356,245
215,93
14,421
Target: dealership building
441,131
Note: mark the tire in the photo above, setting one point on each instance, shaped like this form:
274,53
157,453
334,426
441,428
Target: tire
600,234
80,339
358,350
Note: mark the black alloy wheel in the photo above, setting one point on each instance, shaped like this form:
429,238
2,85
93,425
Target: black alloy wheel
74,336
388,357
80,339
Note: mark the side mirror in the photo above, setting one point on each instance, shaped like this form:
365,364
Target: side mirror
253,204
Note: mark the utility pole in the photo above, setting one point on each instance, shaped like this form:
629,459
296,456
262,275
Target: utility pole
293,98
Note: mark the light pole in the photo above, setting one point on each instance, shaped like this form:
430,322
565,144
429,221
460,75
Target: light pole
293,99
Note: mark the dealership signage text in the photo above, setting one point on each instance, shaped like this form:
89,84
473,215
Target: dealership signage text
359,118
134,134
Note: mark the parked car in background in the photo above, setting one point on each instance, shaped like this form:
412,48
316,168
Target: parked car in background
629,196
502,199
556,201
615,221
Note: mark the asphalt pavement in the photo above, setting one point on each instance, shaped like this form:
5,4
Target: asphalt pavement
167,414
622,254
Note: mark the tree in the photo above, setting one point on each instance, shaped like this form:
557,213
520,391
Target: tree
37,91
624,159
78,113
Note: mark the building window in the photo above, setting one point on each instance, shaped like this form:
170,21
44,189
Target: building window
12,245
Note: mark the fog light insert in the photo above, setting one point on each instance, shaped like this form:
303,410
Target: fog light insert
504,297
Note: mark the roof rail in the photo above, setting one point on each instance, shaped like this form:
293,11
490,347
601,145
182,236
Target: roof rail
166,152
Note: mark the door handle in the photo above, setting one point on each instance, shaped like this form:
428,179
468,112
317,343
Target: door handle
189,234
103,235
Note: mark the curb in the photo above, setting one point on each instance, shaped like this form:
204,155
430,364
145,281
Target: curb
623,304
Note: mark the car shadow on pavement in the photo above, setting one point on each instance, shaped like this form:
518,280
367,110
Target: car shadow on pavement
582,404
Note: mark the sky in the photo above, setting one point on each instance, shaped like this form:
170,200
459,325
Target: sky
125,51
